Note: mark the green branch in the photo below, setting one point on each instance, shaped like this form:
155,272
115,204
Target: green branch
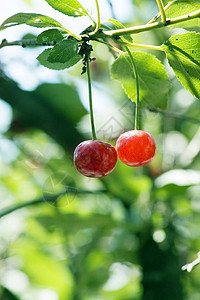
111,46
117,32
148,26
34,43
159,14
25,43
9,210
189,267
173,115
44,200
77,37
162,10
152,47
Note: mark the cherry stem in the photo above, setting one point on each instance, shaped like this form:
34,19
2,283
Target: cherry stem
90,97
137,108
162,10
98,25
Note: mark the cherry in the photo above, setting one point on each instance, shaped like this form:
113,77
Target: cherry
94,158
136,148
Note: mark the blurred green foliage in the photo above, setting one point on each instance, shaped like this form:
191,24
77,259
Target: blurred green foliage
124,237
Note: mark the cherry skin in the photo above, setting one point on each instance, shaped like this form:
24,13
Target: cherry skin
136,148
94,158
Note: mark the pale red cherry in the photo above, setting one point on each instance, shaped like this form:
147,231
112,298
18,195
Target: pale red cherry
94,158
136,148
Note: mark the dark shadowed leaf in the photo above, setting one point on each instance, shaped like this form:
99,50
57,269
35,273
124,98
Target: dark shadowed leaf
63,55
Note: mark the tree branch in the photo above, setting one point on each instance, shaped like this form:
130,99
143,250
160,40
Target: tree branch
174,115
152,47
114,33
159,14
148,26
42,200
162,10
189,267
25,43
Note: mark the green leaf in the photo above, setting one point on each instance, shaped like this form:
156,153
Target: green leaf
153,79
63,55
184,57
35,20
77,222
64,51
49,36
44,270
29,36
66,99
33,108
184,7
111,24
69,7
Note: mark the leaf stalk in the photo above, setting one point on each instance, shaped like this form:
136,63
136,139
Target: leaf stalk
98,24
162,10
159,14
152,47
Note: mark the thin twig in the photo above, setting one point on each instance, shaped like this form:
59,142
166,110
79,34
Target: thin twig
147,27
45,200
162,10
152,47
174,115
159,14
110,46
25,43
189,267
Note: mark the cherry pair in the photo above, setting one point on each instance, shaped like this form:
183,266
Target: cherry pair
95,158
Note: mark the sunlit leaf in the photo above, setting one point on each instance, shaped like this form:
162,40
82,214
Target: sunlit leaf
49,36
68,7
111,24
45,270
153,79
184,57
184,7
35,20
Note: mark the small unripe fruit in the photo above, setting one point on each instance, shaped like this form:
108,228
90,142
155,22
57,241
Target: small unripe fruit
94,158
136,148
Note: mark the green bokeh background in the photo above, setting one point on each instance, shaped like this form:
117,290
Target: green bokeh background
124,237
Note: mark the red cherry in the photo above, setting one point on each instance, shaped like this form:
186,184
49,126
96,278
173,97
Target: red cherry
94,158
136,148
